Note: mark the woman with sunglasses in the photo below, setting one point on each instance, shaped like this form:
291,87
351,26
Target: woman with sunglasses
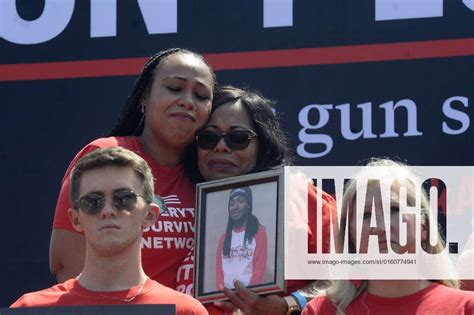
170,100
391,296
242,136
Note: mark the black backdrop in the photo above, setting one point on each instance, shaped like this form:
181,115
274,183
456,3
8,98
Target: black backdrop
46,121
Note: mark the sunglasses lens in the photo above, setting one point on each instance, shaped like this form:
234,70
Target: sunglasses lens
237,140
207,140
125,200
91,204
122,200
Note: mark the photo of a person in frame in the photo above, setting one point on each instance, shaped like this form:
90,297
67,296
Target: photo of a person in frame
242,249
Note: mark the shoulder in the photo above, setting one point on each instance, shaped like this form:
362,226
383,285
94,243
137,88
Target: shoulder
46,297
319,305
221,239
261,232
130,143
443,292
124,142
184,303
326,198
444,299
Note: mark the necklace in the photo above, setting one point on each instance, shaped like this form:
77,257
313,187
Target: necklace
129,299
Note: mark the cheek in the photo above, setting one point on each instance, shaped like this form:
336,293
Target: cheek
248,157
156,100
204,111
247,161
201,156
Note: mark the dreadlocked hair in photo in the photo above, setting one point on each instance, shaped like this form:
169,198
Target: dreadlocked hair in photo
251,229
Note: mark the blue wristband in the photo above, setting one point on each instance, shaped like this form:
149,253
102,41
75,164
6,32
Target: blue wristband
300,298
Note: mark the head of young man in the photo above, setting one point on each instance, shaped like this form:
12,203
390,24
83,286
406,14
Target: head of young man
240,205
112,194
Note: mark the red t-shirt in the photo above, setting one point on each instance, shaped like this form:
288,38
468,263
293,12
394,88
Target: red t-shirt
71,293
168,241
185,275
434,299
247,261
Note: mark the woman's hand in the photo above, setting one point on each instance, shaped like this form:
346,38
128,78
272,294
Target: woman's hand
251,303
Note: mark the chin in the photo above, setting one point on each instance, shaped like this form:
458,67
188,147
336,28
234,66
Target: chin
216,176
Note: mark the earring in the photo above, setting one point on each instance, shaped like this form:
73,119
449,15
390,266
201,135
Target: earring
142,108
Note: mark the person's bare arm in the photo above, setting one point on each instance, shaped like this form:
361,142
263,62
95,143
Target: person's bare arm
67,251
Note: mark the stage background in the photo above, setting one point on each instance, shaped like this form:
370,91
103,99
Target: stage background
66,68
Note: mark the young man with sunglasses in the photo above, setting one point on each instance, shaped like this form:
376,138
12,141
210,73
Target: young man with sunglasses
112,190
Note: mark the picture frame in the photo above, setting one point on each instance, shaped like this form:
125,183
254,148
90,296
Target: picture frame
222,214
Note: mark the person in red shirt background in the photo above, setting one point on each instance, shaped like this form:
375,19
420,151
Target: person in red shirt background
391,297
170,100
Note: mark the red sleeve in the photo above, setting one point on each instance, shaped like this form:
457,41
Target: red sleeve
21,302
328,207
61,218
219,271
259,261
328,202
319,305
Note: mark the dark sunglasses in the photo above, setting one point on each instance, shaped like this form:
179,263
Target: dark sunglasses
93,203
235,140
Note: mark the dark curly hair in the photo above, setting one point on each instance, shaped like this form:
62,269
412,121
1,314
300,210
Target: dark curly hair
131,120
272,141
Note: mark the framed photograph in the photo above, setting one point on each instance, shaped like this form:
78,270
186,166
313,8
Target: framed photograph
239,235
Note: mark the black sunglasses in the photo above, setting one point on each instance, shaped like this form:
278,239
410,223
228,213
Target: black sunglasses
235,140
93,203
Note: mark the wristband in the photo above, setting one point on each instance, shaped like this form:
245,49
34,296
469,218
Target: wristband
300,298
293,305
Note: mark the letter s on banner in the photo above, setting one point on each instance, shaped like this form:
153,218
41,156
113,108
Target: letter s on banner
455,114
307,138
469,4
54,19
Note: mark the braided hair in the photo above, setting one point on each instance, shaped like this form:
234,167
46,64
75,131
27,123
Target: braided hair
251,229
131,120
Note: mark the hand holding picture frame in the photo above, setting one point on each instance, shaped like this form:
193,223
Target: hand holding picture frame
239,235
